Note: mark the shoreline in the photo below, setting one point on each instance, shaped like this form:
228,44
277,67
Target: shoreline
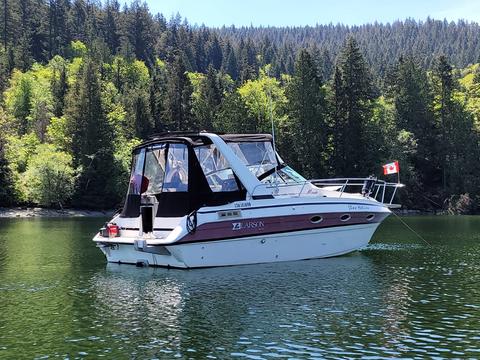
33,212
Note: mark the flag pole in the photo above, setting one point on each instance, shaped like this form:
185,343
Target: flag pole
398,173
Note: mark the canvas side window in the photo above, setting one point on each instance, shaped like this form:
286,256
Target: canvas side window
137,182
216,169
176,173
155,163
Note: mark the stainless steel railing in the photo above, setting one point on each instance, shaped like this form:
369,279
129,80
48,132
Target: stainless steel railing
371,188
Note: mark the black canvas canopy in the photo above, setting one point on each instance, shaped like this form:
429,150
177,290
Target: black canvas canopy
199,138
197,190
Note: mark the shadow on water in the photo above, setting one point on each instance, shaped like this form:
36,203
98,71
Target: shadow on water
394,298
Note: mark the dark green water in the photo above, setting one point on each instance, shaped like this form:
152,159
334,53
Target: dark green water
397,298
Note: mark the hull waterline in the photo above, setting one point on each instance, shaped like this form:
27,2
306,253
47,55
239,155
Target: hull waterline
296,245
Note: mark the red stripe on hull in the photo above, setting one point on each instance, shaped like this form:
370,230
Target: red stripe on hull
237,228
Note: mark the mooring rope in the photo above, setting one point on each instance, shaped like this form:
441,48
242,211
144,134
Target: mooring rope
409,228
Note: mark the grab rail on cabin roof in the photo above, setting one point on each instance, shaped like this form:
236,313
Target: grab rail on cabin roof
380,190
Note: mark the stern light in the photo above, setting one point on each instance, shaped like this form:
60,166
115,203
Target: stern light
113,230
110,230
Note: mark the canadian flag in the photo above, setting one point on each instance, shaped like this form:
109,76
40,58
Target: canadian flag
391,168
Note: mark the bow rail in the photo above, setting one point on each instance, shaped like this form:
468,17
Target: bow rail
370,188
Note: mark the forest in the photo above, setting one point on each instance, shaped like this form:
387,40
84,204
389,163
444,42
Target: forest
83,82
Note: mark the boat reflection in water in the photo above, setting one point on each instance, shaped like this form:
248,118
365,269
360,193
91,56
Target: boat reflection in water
206,308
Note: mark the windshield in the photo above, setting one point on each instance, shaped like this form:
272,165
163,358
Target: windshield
258,156
285,175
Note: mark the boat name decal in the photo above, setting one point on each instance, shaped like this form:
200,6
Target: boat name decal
248,225
358,207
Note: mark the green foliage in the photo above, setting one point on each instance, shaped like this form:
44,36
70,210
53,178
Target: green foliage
78,49
18,151
409,92
233,115
122,158
208,91
351,109
29,100
92,140
18,99
264,99
58,133
178,100
308,113
49,178
88,81
7,195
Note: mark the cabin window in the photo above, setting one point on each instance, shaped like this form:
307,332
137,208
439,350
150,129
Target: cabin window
216,169
176,174
155,163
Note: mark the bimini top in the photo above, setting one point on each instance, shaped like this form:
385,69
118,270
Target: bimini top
202,138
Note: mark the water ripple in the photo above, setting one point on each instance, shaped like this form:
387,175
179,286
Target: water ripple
394,299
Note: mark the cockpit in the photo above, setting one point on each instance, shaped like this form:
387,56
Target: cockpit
185,172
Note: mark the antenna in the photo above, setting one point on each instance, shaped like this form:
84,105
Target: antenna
270,107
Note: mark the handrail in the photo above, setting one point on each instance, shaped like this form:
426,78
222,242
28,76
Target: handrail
379,191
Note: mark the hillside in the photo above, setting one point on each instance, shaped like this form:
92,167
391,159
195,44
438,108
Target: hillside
82,84
37,30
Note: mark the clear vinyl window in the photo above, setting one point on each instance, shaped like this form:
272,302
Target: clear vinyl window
216,169
155,163
137,182
176,173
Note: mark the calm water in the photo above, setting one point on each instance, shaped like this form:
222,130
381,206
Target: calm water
397,298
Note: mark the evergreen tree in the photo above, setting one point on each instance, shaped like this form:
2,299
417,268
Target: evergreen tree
230,65
326,65
178,105
208,100
233,116
110,25
351,110
215,55
22,104
158,91
78,15
456,132
58,29
23,48
248,64
59,88
443,85
140,112
4,73
307,110
39,31
411,94
138,31
7,23
92,147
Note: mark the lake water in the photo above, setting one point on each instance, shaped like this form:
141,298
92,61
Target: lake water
396,298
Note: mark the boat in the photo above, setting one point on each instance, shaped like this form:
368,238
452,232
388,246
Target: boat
200,199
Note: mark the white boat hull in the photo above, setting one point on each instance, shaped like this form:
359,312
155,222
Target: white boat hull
289,246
